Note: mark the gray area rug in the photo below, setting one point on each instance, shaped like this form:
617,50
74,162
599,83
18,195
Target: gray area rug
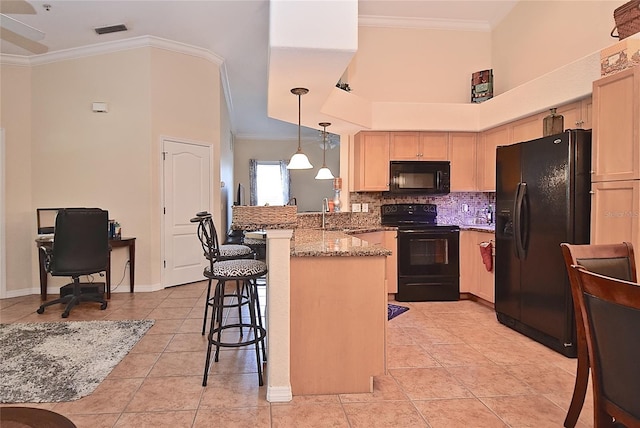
62,361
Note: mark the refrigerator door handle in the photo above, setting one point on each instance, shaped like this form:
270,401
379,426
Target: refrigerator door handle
517,220
524,230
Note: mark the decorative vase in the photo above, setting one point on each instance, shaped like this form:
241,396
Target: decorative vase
553,124
336,201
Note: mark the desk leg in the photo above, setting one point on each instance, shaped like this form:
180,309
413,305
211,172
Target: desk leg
43,276
132,264
108,276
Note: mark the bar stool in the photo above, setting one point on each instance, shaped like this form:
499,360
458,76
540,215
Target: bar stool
245,272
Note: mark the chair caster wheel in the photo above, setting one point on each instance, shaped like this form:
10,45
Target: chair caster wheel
65,315
103,306
40,310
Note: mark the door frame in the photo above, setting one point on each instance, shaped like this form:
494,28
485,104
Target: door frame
164,139
3,243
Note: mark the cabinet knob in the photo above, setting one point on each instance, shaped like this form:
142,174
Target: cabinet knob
592,192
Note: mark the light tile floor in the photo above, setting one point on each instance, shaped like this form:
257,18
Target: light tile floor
450,364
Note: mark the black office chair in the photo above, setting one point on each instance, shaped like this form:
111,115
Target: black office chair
80,247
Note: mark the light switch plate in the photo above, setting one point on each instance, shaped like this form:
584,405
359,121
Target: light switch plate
355,208
365,208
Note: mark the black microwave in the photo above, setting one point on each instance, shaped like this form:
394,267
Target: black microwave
419,177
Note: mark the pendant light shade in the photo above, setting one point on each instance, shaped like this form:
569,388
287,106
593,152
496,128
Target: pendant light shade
324,173
299,160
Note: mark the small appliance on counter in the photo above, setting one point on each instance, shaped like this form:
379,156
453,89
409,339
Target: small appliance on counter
428,253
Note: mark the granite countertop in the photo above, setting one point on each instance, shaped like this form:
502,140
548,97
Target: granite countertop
480,228
314,242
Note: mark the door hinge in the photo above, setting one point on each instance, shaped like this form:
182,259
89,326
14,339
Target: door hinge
164,210
164,155
165,264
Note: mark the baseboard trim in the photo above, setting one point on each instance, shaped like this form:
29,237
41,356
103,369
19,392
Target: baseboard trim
279,394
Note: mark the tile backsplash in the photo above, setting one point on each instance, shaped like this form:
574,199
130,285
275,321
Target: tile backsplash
455,208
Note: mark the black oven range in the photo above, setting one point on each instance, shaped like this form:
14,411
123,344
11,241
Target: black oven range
428,253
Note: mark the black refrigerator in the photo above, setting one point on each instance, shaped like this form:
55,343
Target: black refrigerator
542,199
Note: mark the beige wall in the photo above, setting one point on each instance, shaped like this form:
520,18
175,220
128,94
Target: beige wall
540,36
304,187
15,118
417,65
60,153
185,106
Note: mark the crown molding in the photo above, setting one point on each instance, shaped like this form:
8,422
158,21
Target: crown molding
19,60
423,23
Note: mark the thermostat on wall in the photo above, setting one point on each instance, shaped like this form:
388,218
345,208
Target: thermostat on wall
100,107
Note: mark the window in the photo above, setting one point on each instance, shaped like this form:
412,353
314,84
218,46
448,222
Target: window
269,182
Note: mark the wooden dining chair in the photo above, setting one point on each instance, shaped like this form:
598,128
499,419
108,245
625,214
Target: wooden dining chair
610,309
614,260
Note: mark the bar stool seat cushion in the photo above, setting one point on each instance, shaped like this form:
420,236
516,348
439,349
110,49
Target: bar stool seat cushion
234,250
240,268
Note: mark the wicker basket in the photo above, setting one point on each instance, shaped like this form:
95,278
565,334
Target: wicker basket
627,19
264,216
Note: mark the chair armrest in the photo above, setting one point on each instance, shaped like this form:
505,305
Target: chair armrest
46,253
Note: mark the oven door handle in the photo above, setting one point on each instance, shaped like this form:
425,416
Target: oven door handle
438,231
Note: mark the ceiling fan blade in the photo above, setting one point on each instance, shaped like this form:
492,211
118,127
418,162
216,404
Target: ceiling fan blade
20,28
23,42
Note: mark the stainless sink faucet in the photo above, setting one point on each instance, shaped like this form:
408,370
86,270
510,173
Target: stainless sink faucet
325,209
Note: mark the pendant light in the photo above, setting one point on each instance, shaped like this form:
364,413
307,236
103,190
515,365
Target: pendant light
324,173
299,160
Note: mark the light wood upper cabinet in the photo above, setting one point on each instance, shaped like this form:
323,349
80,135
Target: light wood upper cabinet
462,153
435,146
419,146
577,115
528,128
405,146
487,145
615,213
371,162
616,126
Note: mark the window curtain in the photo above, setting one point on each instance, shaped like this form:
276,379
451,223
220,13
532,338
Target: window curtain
285,181
253,182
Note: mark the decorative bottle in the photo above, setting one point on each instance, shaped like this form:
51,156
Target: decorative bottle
553,124
336,201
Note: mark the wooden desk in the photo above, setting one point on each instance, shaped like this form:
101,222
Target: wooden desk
113,243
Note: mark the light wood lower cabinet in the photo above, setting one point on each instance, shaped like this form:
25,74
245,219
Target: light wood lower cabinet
474,277
338,324
615,213
389,240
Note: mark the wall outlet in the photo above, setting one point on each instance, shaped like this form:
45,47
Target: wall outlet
365,208
355,208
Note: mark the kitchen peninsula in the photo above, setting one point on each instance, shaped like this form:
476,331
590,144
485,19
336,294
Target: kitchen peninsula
338,313
326,311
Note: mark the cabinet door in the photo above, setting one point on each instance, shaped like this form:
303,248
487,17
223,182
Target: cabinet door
527,129
405,146
489,142
587,113
386,239
467,266
462,153
577,115
371,162
434,146
616,126
391,243
484,279
615,213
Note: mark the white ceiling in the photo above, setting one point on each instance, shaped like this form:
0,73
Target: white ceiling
235,30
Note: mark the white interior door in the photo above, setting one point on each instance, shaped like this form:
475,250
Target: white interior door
187,190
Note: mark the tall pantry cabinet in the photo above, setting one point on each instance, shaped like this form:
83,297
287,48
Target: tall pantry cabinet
615,175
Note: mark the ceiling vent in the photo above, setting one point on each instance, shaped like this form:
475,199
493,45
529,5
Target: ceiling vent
111,29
